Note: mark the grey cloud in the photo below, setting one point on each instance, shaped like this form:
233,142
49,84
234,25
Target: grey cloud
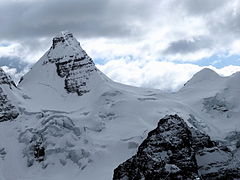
189,46
199,7
90,18
228,26
15,67
27,21
13,62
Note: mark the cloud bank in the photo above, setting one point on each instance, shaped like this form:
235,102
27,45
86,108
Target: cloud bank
184,30
166,76
160,44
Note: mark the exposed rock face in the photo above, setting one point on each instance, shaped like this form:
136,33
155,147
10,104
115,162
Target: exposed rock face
6,79
7,110
216,103
175,151
72,63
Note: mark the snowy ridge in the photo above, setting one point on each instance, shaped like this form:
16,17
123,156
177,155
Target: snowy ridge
75,123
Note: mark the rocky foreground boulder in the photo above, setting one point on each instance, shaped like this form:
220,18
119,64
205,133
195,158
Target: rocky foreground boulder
175,151
7,110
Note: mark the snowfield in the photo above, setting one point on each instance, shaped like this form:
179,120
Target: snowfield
75,123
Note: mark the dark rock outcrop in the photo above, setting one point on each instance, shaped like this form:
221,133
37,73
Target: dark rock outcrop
175,151
76,73
75,66
7,110
6,79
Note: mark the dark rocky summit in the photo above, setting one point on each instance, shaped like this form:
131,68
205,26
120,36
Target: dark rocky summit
175,151
7,109
6,79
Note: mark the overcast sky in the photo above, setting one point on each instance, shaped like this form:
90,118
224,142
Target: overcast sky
150,43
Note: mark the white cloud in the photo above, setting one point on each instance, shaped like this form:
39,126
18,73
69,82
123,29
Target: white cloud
163,75
227,70
13,49
14,74
166,76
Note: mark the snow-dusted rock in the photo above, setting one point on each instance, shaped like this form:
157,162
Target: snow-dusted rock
167,153
72,63
7,110
175,151
6,79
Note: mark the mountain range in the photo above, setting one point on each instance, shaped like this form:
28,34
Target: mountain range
67,120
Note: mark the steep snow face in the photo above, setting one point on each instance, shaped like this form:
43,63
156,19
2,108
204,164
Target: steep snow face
64,70
214,99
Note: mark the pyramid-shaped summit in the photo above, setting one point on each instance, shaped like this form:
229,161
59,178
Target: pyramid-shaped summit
68,61
65,47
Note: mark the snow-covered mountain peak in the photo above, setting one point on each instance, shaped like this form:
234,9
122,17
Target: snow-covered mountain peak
64,69
64,47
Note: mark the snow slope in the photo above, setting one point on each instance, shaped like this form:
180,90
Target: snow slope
215,99
75,123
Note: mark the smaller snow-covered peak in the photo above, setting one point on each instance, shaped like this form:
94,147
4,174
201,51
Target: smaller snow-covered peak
6,79
205,74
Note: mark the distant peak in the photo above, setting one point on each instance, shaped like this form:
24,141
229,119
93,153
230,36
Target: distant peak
206,73
203,75
207,70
